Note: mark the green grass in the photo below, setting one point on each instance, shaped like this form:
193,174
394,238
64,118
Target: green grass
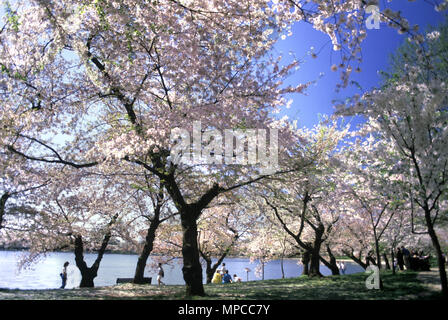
351,287
404,285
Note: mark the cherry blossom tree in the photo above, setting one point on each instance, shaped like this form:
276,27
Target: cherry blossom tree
104,82
113,102
17,180
268,241
352,241
220,229
306,204
65,217
263,247
372,185
150,204
410,111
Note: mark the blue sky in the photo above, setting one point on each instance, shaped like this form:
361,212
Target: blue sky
376,49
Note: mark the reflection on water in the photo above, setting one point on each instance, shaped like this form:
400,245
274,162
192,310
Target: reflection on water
45,273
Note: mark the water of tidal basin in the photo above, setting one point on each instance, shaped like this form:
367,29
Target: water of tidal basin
45,273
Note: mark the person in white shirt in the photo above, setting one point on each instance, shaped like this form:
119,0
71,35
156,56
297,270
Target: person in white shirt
236,278
223,269
342,266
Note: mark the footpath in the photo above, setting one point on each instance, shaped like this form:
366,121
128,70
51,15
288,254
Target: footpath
431,280
431,283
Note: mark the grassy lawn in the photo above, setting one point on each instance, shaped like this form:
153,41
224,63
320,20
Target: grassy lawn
349,287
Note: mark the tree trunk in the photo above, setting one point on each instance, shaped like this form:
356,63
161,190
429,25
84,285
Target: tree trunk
143,258
436,245
192,270
386,261
3,200
87,278
315,264
262,269
332,263
189,213
315,254
281,267
306,261
378,254
209,271
392,252
282,257
209,268
149,239
89,274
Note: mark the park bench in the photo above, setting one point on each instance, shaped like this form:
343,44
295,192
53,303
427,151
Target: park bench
130,280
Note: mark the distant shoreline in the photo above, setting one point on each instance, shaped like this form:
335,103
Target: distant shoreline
134,253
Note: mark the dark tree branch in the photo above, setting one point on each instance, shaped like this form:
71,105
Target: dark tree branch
59,160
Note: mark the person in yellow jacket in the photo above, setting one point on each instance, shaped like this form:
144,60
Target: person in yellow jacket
217,278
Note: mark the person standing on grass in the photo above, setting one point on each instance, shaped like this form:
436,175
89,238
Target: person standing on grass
63,275
342,267
160,275
406,257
